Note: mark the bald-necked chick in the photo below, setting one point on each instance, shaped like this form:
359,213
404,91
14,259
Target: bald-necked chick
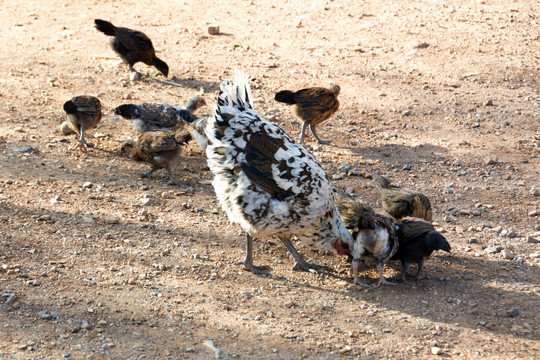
374,235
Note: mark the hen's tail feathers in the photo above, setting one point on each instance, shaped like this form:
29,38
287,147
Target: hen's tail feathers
381,181
234,98
187,116
128,111
183,137
286,97
105,27
435,241
70,107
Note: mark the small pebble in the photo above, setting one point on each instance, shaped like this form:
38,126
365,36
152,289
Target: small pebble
507,254
513,312
436,350
87,185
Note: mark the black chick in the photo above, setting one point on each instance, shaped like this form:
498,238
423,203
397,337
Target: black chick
132,46
83,113
312,106
400,202
417,240
158,148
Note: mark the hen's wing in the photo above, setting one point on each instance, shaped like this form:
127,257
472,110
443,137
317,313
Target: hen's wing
260,156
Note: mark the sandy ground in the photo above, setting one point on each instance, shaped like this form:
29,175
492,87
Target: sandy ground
441,96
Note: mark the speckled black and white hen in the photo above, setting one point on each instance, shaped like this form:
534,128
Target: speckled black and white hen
266,182
374,235
160,116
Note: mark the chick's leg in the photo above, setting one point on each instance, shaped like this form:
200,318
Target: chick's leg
82,142
172,180
303,134
402,275
312,127
382,280
300,263
354,268
147,173
420,267
248,260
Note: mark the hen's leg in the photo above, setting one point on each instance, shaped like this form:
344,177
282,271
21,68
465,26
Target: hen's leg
420,267
312,127
300,263
248,260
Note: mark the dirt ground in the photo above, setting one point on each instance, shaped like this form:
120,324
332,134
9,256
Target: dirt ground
441,96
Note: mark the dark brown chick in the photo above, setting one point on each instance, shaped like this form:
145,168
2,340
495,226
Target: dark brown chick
83,113
159,148
312,106
417,240
400,202
374,235
132,46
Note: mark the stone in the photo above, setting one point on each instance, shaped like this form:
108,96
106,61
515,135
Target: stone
532,240
535,191
87,185
507,254
213,29
436,350
493,249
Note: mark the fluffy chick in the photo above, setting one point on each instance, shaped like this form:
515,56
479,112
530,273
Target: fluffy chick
417,240
83,113
400,202
158,148
312,106
132,46
159,116
374,235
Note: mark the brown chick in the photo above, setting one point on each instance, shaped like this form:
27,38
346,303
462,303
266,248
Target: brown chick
132,46
83,113
400,202
312,106
158,148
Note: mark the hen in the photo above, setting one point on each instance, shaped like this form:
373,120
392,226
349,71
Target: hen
312,106
374,235
83,113
417,240
400,202
132,46
158,148
159,116
267,183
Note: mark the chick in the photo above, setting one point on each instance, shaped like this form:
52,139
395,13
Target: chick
158,148
132,46
158,116
83,113
400,202
417,240
374,235
312,106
